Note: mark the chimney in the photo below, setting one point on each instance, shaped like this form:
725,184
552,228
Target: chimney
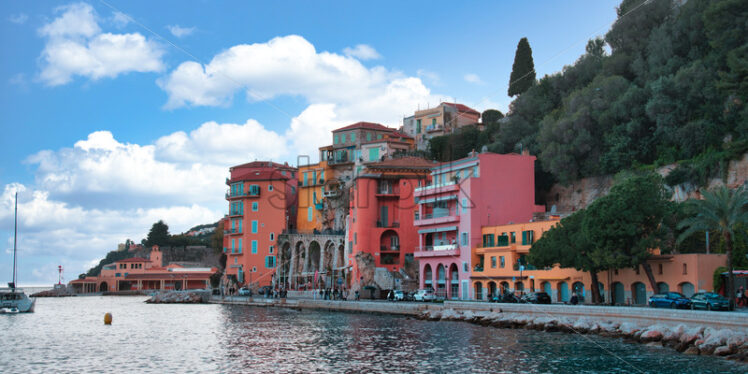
525,152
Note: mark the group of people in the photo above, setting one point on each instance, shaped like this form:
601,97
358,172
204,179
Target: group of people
741,297
332,294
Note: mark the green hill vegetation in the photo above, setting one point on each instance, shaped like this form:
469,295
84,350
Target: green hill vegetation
668,83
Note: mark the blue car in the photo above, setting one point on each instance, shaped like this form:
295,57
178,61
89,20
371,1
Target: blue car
709,301
672,300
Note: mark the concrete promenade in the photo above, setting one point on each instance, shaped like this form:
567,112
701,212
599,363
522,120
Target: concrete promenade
639,316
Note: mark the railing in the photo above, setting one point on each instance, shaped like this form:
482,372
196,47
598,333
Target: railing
388,224
313,232
333,193
232,231
525,267
236,213
384,248
440,247
435,185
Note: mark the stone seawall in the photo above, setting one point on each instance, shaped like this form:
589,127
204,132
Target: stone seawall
691,332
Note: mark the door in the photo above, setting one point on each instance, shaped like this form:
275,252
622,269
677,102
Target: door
563,291
384,216
619,296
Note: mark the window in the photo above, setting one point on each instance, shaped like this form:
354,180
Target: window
493,262
271,249
502,240
637,269
309,214
272,236
342,140
685,269
254,190
270,187
379,136
239,250
433,122
337,140
236,260
368,136
355,238
254,227
117,274
501,261
269,262
254,246
373,154
488,240
465,268
464,238
418,126
353,137
464,205
513,237
660,268
255,206
527,237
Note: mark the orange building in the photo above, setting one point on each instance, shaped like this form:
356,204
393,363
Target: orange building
440,120
382,208
501,266
262,204
317,185
145,274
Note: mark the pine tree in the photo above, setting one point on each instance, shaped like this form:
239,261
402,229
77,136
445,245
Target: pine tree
523,69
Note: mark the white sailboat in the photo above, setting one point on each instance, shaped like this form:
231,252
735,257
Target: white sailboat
13,299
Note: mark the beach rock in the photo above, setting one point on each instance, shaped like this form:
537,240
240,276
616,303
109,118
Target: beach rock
713,338
179,297
651,336
690,335
692,351
450,315
723,351
628,329
581,325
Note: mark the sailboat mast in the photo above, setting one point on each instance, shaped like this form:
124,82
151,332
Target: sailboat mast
15,239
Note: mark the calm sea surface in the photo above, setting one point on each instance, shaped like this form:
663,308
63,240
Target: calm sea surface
67,335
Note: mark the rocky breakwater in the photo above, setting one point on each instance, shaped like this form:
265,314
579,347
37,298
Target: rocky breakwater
730,343
179,297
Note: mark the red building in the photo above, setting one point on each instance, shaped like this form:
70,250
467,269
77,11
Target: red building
382,211
262,204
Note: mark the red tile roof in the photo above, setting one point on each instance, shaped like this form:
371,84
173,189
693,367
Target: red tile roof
400,134
259,175
365,125
168,276
462,108
262,164
134,259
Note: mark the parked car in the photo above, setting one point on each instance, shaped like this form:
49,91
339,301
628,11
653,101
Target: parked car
398,295
244,291
669,300
424,295
709,301
536,298
409,296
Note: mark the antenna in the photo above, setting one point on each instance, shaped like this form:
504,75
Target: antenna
15,239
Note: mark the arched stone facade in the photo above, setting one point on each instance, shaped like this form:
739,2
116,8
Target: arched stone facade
303,255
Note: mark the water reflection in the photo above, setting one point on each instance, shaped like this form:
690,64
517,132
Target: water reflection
68,335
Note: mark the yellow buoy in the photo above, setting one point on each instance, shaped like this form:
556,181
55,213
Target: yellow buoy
108,319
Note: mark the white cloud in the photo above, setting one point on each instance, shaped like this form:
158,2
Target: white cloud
19,18
339,89
362,52
473,78
76,46
179,32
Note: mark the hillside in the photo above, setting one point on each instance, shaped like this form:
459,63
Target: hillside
668,84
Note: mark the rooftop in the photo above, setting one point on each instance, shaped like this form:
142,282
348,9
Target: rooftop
259,175
134,259
263,164
409,162
462,108
365,125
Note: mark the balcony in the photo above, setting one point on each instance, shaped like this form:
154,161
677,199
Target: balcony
452,250
393,225
430,219
451,186
388,192
232,232
235,213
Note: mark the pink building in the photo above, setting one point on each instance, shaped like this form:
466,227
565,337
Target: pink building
479,190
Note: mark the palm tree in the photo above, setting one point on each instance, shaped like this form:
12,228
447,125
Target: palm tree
721,210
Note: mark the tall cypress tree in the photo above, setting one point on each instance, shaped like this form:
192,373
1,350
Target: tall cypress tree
523,69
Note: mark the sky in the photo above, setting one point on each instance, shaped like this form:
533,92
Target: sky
116,114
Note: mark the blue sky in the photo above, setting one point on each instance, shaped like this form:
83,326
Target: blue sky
118,113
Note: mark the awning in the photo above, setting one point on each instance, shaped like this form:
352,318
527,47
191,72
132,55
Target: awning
440,229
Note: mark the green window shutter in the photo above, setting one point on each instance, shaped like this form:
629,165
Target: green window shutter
368,136
524,237
353,137
337,139
309,214
373,154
